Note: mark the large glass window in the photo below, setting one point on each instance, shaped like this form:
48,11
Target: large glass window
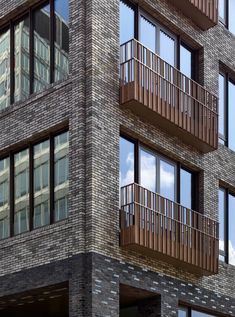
4,69
61,175
41,184
226,14
167,48
126,173
155,173
126,22
227,110
186,61
21,185
148,34
4,198
227,219
48,35
61,39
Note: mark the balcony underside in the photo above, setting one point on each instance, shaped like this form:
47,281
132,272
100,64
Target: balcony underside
203,13
197,128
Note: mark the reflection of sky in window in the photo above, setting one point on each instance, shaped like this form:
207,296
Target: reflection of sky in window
231,16
167,48
231,116
221,9
185,61
185,188
199,314
182,312
126,162
167,180
221,104
231,230
126,23
148,170
62,9
148,34
221,219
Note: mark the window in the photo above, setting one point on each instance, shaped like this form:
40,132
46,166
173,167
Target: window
226,110
156,38
189,312
40,186
35,54
227,219
226,14
156,173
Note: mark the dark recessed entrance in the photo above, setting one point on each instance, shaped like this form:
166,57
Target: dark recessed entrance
44,302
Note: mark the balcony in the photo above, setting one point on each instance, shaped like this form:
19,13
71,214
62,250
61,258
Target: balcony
158,227
160,94
203,13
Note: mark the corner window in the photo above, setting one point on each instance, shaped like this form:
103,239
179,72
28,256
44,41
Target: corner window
227,219
127,16
156,173
34,51
38,176
226,110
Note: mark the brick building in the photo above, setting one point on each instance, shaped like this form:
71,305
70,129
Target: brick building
117,140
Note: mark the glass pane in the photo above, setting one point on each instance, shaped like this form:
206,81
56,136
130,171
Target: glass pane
185,188
21,40
41,184
167,180
147,34
41,48
167,48
129,312
126,172
185,61
148,170
231,22
199,314
221,9
21,176
61,39
221,105
4,198
231,243
221,222
61,175
4,69
182,312
127,18
231,116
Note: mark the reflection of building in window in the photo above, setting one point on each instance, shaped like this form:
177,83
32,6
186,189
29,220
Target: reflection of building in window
43,45
38,199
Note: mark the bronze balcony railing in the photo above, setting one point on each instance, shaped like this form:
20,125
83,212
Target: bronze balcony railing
204,13
159,227
160,93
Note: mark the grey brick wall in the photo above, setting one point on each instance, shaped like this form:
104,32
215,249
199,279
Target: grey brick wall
89,101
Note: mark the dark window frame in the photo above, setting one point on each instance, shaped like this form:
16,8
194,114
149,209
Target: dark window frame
138,12
227,193
189,309
10,26
30,146
194,181
227,78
